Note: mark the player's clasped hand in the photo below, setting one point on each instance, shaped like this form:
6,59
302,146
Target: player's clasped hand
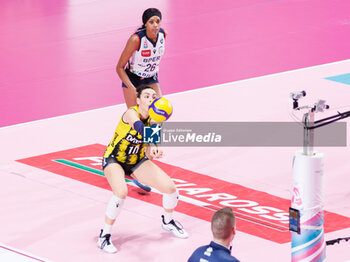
156,152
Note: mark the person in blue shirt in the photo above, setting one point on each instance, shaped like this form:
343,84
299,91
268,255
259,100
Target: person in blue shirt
223,227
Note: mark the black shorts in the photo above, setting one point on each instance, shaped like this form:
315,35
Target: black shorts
137,80
128,169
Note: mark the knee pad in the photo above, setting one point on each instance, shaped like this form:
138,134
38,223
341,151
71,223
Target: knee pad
114,207
170,200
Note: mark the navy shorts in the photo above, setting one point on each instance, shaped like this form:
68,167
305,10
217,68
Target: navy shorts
128,169
137,80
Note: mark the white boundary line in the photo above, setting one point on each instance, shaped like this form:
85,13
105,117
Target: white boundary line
184,92
21,254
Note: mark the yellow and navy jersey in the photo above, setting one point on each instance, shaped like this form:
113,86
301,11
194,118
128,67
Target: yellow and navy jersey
127,144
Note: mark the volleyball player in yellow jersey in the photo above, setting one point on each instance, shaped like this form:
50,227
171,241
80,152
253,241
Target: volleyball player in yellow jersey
125,155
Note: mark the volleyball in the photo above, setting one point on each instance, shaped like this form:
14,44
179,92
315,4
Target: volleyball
160,109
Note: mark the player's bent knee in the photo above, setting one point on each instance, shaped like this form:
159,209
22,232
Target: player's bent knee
170,200
170,188
122,194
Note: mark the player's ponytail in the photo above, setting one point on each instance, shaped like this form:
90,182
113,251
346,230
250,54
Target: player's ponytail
140,28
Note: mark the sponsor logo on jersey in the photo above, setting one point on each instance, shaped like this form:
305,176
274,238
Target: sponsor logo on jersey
258,213
152,59
146,53
133,139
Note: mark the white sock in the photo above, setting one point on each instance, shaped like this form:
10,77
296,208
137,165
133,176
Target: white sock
168,217
107,229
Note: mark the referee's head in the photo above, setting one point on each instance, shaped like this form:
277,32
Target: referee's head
223,224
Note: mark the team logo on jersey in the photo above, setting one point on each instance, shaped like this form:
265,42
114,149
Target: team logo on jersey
146,53
161,41
161,50
145,45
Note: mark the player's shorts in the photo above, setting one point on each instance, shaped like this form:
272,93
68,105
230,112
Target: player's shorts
128,169
137,80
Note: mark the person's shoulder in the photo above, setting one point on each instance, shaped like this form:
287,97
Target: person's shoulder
219,253
201,248
141,32
135,37
197,253
225,257
131,111
134,42
163,31
232,259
